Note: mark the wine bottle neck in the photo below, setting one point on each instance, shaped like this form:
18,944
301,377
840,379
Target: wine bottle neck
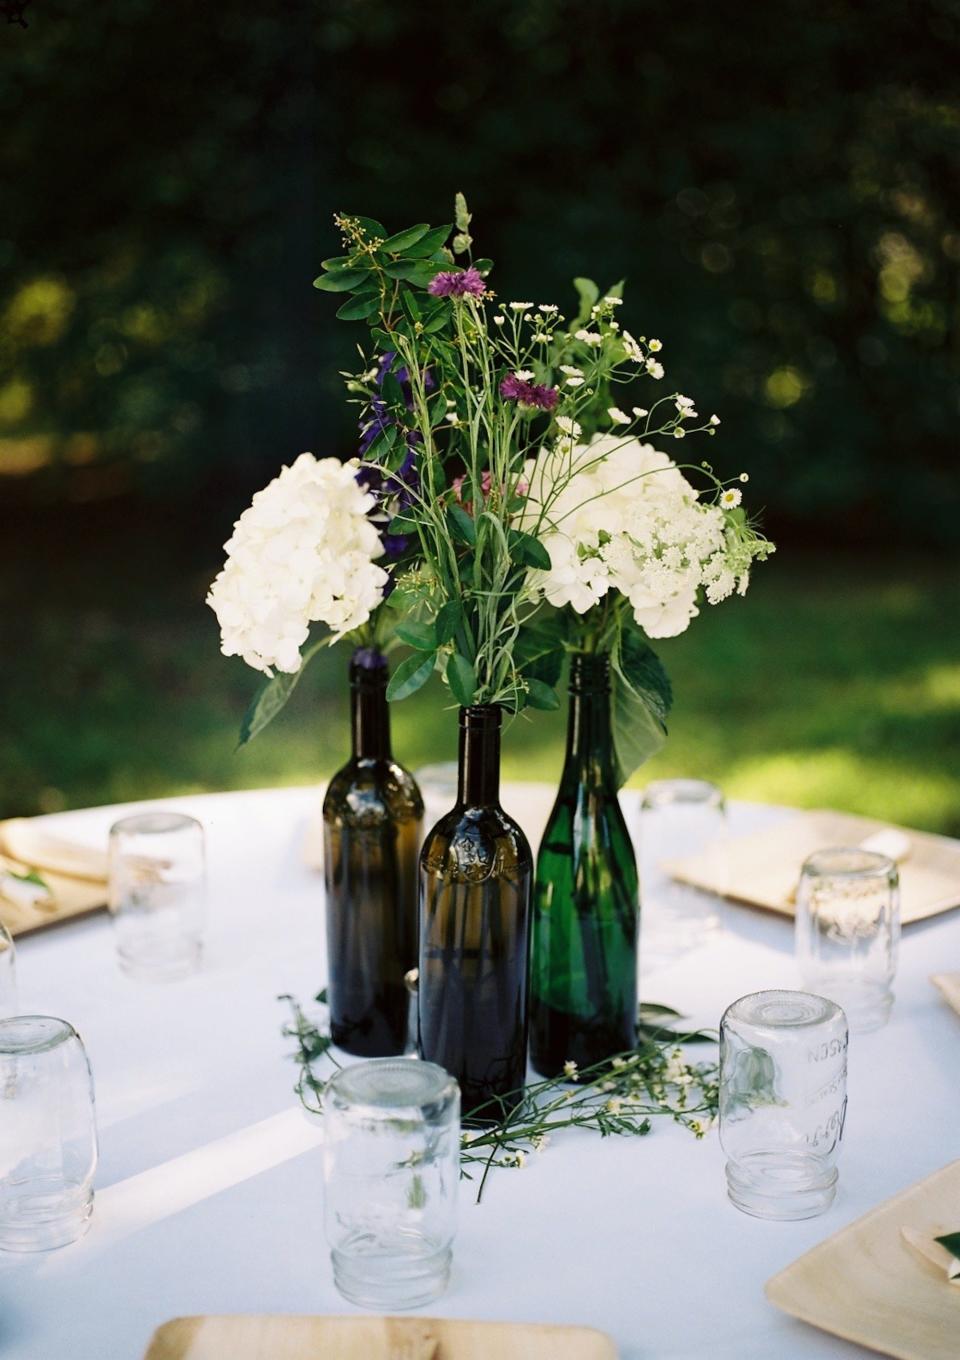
589,755
478,781
369,710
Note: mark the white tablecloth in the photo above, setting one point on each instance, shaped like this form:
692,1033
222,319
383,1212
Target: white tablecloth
209,1188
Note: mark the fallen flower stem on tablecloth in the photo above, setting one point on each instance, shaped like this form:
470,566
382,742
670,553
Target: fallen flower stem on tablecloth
618,1096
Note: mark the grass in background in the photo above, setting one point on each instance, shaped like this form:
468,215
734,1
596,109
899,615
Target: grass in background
834,683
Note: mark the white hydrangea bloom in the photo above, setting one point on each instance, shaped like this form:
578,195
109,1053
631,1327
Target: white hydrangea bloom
302,553
617,514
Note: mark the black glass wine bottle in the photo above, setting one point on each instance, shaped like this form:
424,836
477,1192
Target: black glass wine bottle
476,875
583,977
372,822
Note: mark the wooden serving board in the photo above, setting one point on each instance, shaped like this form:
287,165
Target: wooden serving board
277,1337
762,868
75,875
949,984
867,1285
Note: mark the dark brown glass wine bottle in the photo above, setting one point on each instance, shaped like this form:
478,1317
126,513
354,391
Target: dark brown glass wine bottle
476,873
372,822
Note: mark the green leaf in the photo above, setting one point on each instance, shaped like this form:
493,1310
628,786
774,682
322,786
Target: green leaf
272,695
400,524
358,309
528,551
31,876
423,636
396,245
461,216
344,281
616,290
430,243
952,1243
337,262
410,676
539,647
641,700
437,323
371,226
417,272
462,525
589,292
462,679
483,266
383,338
541,696
448,620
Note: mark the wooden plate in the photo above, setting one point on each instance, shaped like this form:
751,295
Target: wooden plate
277,1337
866,1285
949,984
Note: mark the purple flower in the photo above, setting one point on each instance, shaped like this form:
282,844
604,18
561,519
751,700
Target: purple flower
513,388
452,283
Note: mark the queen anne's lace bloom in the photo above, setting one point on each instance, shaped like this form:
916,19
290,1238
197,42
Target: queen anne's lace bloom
617,514
302,553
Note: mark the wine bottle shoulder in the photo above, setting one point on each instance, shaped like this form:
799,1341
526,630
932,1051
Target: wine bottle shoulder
471,844
365,792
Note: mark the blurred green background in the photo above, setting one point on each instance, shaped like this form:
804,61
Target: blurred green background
782,193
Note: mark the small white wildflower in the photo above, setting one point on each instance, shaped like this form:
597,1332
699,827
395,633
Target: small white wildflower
640,411
714,419
588,337
617,416
453,418
524,375
744,476
614,326
679,432
499,320
539,1141
370,375
450,402
519,1158
614,1106
521,306
654,346
571,371
569,426
542,338
608,1086
574,382
547,307
655,369
632,348
731,497
570,1070
683,403
612,301
619,1062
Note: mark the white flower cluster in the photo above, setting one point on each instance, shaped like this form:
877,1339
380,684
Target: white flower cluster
302,553
616,514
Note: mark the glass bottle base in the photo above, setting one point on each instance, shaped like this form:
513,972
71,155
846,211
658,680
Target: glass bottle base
781,1185
386,1275
43,1215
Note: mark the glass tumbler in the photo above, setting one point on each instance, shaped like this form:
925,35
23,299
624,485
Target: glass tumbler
48,1137
848,930
157,893
391,1160
783,1099
680,819
8,974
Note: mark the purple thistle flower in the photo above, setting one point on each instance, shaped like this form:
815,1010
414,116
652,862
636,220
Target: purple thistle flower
513,388
453,283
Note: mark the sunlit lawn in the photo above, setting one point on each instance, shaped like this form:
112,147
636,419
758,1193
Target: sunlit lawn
834,683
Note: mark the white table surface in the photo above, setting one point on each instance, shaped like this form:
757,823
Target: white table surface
209,1189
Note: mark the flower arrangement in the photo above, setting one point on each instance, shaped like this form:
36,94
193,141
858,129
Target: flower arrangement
509,502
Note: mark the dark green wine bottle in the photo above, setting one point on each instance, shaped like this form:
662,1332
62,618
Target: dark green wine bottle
583,977
372,821
476,875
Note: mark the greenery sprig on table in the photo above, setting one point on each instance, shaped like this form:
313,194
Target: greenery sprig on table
618,1097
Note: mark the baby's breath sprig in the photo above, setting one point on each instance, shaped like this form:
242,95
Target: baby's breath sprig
618,1097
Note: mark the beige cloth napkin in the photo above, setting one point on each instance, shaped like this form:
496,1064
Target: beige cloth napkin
762,868
74,877
949,984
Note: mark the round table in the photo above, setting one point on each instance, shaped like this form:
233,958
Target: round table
209,1193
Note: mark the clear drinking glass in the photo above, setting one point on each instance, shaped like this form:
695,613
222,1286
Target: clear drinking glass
679,819
8,973
783,1099
848,930
391,1161
48,1137
157,893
